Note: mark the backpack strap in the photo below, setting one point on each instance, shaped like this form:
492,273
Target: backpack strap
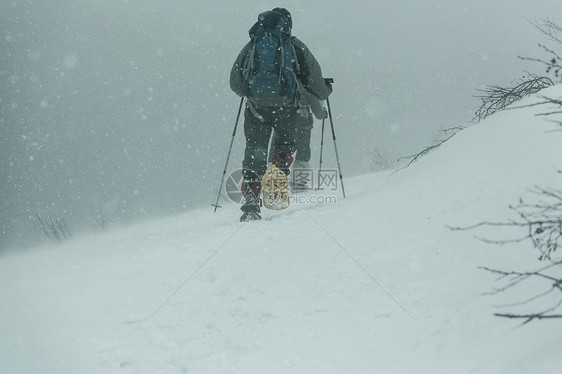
296,60
249,62
282,64
251,105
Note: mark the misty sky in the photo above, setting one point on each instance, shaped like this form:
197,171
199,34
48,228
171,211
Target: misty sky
121,110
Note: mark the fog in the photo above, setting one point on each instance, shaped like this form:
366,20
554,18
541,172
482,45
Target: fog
117,111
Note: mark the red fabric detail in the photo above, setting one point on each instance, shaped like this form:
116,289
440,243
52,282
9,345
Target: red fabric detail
280,162
251,188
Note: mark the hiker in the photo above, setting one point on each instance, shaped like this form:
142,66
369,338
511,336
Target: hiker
270,72
308,106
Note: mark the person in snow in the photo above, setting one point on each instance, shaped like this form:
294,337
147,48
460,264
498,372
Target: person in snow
308,106
267,111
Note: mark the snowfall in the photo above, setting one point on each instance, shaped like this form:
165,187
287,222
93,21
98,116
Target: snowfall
376,282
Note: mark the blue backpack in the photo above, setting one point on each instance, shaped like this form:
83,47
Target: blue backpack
268,74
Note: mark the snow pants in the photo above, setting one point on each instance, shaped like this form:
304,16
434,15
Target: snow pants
259,122
303,135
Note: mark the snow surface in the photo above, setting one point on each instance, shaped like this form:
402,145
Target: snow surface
376,283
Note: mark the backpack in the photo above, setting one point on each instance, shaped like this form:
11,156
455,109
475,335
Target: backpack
268,75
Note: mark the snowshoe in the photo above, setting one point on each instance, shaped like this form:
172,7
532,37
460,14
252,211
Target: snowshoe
275,185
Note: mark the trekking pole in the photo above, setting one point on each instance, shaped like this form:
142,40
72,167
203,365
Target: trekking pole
322,143
216,204
331,80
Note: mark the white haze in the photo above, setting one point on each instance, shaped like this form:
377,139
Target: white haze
121,110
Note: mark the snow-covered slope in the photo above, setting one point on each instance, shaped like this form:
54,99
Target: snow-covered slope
375,283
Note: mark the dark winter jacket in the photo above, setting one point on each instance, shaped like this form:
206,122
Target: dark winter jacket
309,72
315,105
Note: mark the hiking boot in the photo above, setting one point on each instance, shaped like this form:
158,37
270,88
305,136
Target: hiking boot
250,216
252,202
283,161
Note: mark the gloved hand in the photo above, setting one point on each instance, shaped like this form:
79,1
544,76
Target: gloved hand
323,115
328,82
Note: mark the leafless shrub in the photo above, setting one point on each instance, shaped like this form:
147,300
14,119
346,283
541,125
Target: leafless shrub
542,221
101,222
377,161
496,98
553,33
52,227
553,286
550,29
446,135
553,64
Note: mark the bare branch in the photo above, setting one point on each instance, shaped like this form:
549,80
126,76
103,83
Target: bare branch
553,65
542,219
496,98
518,278
415,157
550,29
543,222
528,317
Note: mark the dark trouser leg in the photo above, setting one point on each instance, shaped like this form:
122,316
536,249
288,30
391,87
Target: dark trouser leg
257,135
285,120
302,140
303,134
303,144
257,132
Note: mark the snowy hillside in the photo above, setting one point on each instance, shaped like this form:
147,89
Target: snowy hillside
375,283
104,102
